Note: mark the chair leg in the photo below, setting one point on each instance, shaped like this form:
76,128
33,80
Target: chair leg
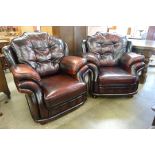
94,96
43,123
153,123
130,96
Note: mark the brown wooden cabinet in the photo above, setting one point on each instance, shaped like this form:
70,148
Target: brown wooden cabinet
73,36
3,60
3,83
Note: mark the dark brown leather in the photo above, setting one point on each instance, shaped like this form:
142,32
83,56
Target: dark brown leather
82,73
34,60
108,47
60,88
131,58
61,109
93,58
137,67
113,67
33,89
24,72
40,51
94,71
115,75
115,89
72,64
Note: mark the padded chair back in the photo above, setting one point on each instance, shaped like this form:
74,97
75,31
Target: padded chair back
39,50
108,47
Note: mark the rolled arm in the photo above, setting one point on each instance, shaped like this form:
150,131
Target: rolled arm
32,88
72,64
137,67
94,72
28,81
24,72
93,62
82,73
128,59
92,58
133,62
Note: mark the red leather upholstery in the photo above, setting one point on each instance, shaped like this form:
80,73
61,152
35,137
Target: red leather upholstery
72,64
65,89
108,48
53,82
25,72
40,51
114,70
115,75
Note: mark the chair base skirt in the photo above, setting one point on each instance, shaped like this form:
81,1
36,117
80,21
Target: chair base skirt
114,90
46,120
57,111
127,94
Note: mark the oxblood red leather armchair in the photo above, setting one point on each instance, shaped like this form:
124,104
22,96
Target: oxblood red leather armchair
114,68
53,82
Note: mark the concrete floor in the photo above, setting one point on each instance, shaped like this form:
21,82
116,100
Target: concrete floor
107,113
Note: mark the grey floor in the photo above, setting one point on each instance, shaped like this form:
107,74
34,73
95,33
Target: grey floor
107,113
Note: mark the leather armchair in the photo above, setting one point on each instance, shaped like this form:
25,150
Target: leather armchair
114,69
53,82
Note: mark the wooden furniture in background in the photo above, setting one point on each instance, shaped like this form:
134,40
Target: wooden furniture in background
151,33
146,48
3,83
111,29
22,29
47,29
3,60
129,31
73,36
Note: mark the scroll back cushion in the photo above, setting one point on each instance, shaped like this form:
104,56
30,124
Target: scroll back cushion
108,47
39,50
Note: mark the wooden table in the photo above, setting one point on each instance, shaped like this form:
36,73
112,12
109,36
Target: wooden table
146,48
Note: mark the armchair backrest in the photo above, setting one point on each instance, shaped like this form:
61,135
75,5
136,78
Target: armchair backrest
108,47
39,50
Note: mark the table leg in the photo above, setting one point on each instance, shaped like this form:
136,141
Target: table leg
147,53
143,75
7,92
153,123
1,114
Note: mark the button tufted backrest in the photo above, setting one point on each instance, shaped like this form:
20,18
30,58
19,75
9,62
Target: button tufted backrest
108,47
39,50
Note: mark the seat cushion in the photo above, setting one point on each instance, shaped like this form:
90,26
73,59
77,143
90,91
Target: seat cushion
60,88
114,76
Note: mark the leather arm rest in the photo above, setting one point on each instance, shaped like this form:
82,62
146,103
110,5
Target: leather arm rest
136,68
94,71
72,64
24,72
82,73
30,88
128,59
92,58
